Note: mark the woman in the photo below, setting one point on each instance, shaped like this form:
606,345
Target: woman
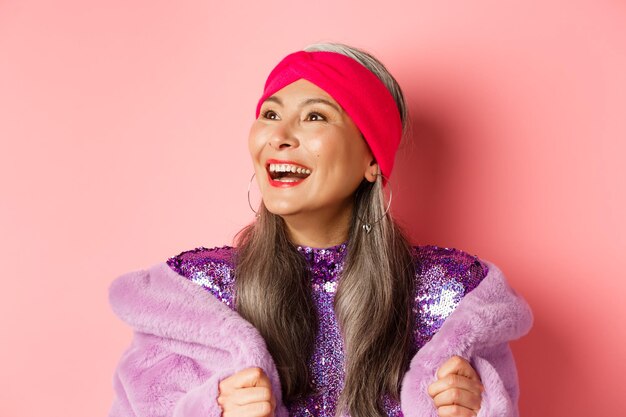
323,308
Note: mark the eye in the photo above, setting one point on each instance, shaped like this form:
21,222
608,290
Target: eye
269,114
318,116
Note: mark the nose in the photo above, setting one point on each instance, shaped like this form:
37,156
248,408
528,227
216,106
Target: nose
283,137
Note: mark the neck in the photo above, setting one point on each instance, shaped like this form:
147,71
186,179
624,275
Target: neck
319,230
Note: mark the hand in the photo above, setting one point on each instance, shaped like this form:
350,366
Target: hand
458,389
246,393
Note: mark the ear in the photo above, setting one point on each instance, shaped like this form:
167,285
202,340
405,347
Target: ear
371,171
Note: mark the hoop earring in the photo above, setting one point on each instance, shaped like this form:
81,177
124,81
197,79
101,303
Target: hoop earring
368,226
256,213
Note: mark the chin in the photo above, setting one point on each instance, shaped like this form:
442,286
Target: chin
282,208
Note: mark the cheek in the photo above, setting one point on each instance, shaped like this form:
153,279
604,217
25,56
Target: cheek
326,145
341,155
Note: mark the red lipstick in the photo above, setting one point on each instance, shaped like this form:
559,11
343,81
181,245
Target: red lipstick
292,181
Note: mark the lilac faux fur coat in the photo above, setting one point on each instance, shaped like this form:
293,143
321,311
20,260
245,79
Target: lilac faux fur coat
185,341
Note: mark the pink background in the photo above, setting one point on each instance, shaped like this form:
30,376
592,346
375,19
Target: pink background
124,127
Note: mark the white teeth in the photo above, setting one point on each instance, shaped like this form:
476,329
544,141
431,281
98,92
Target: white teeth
288,168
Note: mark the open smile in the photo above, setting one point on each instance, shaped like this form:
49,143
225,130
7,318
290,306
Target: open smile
286,173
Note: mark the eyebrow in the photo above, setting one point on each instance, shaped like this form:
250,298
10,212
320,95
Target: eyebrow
307,102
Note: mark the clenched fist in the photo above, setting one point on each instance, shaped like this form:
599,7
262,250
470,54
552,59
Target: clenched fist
247,393
458,389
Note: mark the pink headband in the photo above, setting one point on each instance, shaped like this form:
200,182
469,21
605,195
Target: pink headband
358,91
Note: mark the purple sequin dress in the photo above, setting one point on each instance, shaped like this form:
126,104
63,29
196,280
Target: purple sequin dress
443,277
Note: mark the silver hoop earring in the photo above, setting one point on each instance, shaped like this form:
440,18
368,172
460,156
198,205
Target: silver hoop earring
368,226
256,213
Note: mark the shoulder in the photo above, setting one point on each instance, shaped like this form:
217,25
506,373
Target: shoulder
163,301
211,268
443,277
436,264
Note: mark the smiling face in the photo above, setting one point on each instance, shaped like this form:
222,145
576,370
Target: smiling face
308,155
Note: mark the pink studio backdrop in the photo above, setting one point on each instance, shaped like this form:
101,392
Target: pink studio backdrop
124,128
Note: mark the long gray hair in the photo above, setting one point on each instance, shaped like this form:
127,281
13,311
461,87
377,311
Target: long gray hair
373,301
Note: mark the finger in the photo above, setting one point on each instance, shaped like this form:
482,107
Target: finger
263,381
258,409
243,396
457,396
455,381
455,411
457,365
248,377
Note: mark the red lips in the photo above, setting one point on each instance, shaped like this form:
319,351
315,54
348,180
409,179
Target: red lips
283,184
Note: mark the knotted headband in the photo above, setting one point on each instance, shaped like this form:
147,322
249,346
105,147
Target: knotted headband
360,93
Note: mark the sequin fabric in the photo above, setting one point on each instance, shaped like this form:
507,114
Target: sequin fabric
443,277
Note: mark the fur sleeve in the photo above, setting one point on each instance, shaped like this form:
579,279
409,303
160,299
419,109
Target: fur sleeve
184,342
152,381
479,330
